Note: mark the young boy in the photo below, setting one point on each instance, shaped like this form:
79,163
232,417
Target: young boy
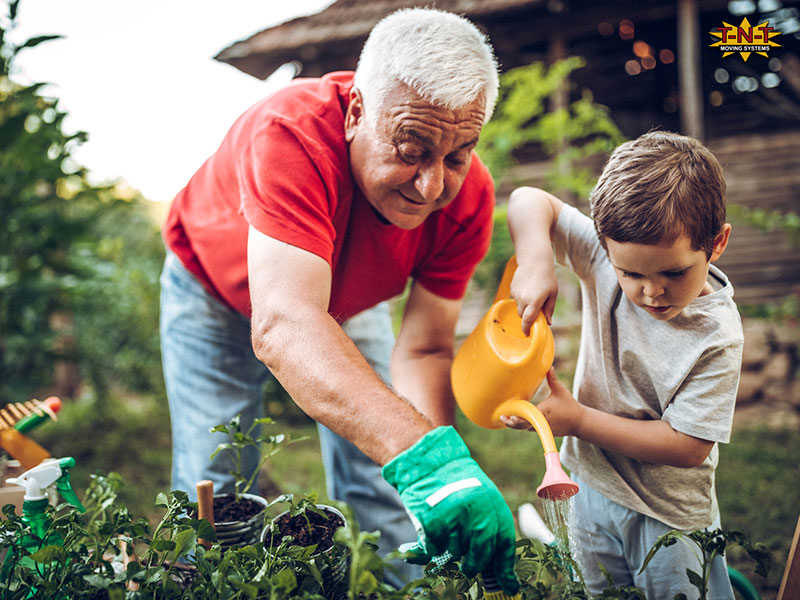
659,360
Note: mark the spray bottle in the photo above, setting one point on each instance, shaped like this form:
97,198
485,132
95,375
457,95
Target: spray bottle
34,508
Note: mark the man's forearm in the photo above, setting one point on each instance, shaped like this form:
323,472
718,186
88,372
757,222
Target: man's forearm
330,380
425,380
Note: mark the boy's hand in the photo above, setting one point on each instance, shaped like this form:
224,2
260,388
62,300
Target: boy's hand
562,411
535,288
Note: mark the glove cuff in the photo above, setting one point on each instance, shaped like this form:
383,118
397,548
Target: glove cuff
433,450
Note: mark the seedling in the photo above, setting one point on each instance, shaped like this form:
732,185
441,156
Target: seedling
267,446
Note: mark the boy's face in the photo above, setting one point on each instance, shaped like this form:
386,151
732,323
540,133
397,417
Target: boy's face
663,279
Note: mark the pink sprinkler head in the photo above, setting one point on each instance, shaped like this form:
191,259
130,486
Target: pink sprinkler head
556,484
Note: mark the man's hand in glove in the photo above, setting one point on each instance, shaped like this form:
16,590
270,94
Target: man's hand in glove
455,506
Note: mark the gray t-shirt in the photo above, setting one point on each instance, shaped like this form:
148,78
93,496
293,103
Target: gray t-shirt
684,371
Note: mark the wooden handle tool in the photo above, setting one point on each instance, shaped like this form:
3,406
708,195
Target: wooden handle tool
205,504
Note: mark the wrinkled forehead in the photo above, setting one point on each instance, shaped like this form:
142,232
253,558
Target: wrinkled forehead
406,113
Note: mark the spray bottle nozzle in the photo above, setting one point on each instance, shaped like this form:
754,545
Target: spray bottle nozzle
45,474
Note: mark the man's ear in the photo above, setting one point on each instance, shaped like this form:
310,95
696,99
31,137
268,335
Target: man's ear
720,242
354,115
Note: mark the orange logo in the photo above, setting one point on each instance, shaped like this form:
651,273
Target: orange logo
745,39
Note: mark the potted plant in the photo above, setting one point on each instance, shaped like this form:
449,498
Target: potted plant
93,559
310,528
239,516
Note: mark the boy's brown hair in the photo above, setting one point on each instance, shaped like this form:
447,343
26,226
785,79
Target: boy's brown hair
657,187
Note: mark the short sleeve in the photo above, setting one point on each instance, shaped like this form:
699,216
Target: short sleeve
575,242
704,404
287,192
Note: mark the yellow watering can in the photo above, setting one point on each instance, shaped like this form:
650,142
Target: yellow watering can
497,370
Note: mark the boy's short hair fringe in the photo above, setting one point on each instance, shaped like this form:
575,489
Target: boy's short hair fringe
657,187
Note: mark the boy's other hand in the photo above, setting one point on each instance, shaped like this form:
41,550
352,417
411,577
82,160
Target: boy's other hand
535,288
561,410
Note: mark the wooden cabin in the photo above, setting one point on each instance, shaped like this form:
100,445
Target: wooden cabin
651,64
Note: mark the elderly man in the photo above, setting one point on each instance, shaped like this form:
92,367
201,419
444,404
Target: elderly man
321,202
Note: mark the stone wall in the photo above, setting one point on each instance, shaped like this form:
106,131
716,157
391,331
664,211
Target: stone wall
769,389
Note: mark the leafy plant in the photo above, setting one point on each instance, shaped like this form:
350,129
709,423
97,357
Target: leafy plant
306,504
79,262
571,137
709,545
97,558
567,134
238,441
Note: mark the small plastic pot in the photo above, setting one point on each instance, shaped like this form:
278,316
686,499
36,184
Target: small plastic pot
245,532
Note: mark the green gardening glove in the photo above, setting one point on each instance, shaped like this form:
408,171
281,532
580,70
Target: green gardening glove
455,506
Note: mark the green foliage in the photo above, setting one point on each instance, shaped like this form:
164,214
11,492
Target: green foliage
490,269
769,221
709,545
238,440
78,263
568,134
97,558
115,308
42,208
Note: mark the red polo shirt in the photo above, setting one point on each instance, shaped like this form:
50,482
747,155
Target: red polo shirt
284,169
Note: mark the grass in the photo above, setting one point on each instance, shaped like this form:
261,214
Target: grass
756,483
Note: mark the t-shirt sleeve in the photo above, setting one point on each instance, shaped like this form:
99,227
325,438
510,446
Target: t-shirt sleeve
448,272
285,192
575,242
703,406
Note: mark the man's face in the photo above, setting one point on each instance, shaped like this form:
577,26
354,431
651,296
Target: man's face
409,157
663,279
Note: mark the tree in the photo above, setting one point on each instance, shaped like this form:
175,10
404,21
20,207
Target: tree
77,261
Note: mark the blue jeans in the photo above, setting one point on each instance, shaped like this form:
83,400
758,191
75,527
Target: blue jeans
602,531
212,374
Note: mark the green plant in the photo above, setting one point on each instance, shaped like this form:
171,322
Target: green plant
568,134
768,221
709,545
308,503
97,558
79,263
572,137
238,441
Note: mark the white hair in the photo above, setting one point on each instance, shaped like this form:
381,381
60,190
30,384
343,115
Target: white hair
442,56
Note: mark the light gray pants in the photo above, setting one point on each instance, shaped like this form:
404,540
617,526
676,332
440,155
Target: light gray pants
619,538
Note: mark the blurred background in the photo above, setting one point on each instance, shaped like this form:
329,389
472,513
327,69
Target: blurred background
100,128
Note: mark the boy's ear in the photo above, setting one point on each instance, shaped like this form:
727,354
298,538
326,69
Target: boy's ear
720,242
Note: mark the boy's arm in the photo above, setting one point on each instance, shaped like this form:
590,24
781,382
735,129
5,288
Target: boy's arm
650,441
532,215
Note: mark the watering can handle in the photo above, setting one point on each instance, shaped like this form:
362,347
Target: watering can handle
504,289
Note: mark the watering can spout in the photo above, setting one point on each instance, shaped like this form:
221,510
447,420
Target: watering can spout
498,369
556,484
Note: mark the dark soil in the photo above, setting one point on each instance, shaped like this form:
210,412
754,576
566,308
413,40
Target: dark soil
226,509
320,532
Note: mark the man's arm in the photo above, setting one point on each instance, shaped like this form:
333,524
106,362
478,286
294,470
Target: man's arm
309,353
423,354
